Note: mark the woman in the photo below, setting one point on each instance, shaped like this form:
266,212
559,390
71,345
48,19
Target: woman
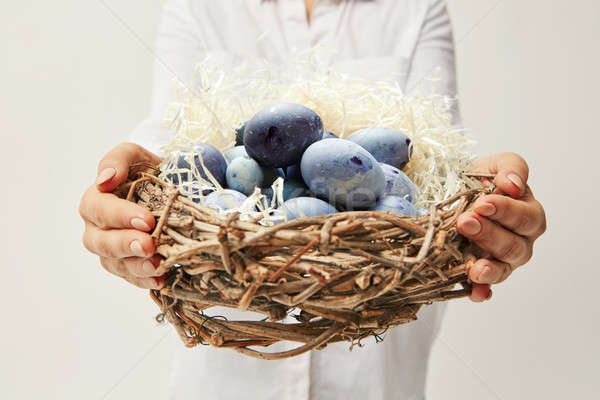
407,39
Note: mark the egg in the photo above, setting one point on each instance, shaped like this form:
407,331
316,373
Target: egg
225,199
395,204
291,189
307,207
386,145
234,152
244,175
278,135
343,173
397,183
211,157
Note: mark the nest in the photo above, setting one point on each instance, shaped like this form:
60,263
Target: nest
342,276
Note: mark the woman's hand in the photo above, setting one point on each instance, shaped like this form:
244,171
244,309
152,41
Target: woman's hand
504,224
116,229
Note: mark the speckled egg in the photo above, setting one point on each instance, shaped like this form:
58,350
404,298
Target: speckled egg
386,145
278,135
342,172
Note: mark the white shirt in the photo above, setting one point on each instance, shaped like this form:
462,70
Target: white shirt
405,39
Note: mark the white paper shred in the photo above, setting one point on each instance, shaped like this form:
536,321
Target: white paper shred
209,109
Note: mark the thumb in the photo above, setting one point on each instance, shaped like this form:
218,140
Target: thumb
113,169
511,172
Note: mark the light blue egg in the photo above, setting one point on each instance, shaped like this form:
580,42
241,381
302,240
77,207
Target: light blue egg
307,207
397,183
386,145
225,199
244,174
343,173
234,152
395,204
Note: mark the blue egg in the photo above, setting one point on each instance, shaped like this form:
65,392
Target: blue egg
307,207
213,161
329,135
234,152
225,199
293,172
395,204
343,173
278,135
386,145
271,174
244,174
398,184
291,189
239,135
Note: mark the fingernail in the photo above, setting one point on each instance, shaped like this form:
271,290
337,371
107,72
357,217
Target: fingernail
105,175
137,249
485,271
486,209
514,178
471,226
140,224
148,268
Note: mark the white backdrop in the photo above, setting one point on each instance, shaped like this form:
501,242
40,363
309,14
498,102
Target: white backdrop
75,79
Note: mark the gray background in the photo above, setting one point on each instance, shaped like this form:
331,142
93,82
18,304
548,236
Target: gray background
75,79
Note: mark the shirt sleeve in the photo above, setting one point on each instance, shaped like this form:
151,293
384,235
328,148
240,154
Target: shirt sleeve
433,68
179,46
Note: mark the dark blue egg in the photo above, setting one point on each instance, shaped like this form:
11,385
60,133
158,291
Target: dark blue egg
398,184
271,174
291,189
278,135
395,204
307,207
386,145
293,172
239,135
211,157
234,152
224,199
343,173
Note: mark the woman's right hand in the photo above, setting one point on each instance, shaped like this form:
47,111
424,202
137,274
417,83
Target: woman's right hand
117,230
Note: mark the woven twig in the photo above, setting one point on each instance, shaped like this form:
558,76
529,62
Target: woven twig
347,275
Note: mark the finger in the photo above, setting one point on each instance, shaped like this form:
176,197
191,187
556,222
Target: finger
132,267
118,243
489,271
503,245
148,283
480,293
511,172
525,218
113,169
106,210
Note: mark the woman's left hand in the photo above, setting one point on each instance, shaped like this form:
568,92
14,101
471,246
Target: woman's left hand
504,224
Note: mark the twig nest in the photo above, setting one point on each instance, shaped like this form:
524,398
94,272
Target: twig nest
313,147
342,276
